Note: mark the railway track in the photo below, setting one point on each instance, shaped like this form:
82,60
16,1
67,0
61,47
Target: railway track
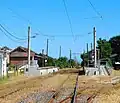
51,95
92,97
87,97
65,94
21,86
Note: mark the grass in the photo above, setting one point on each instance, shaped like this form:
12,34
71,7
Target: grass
112,96
12,77
115,73
3,80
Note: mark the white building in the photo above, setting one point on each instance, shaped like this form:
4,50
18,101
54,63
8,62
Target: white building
3,63
7,50
42,70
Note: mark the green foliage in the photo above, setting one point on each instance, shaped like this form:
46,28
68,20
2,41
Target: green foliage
62,62
82,63
105,51
115,44
109,62
51,61
84,58
71,63
3,80
105,48
11,67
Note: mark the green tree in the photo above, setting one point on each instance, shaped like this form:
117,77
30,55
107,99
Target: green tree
84,58
51,61
62,62
104,47
71,63
115,44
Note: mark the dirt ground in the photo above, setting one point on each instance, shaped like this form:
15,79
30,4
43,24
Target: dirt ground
13,91
101,86
110,95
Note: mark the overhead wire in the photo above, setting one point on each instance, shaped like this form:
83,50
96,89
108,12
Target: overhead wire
46,35
69,20
54,36
17,14
10,37
93,7
41,33
30,23
11,33
95,17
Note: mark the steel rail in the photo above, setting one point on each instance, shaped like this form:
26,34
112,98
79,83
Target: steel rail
57,91
75,90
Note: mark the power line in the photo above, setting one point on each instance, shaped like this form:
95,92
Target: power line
10,33
95,17
10,37
95,9
40,33
70,23
60,35
27,20
17,14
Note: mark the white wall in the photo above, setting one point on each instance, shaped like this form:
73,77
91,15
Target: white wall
41,71
91,71
3,65
1,57
33,71
103,70
48,71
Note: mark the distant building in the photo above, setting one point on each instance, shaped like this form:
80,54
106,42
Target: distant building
7,50
19,57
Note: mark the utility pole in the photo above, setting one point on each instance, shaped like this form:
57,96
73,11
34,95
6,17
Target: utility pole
28,48
94,33
84,60
91,46
60,52
88,55
47,47
43,60
70,58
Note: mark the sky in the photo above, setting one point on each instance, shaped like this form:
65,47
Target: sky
48,17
